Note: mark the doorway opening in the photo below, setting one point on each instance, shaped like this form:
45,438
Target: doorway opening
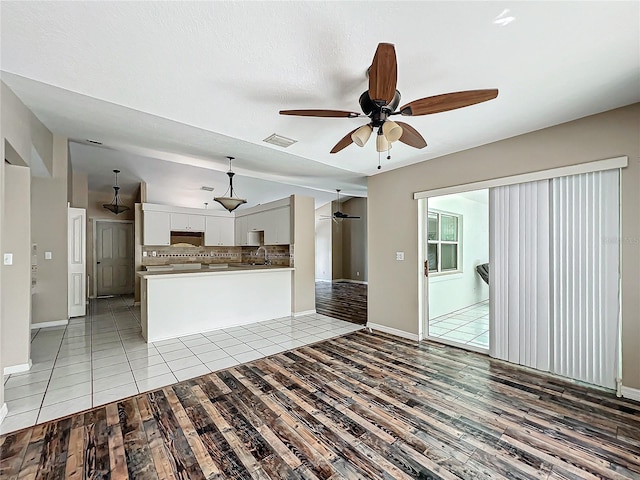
456,240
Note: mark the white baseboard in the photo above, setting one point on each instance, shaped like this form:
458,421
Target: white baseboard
53,323
3,412
349,280
632,393
23,367
394,331
301,314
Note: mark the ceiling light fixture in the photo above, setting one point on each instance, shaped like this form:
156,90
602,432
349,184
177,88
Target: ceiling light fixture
230,202
114,206
361,136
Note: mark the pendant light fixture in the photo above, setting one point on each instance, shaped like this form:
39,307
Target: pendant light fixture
230,202
114,206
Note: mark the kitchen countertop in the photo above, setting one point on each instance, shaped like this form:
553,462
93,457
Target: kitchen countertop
218,270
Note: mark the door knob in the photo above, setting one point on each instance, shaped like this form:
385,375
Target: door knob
98,263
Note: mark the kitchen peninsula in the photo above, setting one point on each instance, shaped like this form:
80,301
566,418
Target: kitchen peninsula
176,303
198,270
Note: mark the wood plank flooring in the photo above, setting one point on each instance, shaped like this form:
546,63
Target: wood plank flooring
343,300
369,406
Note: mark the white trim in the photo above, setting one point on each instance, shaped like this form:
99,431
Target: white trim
463,346
348,280
301,314
3,412
323,280
588,167
393,331
136,304
632,393
23,367
52,323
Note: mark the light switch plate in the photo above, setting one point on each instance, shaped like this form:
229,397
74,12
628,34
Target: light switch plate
144,254
48,256
399,255
8,258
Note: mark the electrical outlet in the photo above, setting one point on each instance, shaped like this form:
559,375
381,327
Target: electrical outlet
357,274
399,256
48,255
154,253
144,254
8,258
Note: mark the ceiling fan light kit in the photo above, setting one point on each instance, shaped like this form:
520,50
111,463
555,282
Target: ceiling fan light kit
115,206
230,202
361,136
381,101
382,144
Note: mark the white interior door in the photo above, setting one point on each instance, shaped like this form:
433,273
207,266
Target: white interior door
77,255
114,258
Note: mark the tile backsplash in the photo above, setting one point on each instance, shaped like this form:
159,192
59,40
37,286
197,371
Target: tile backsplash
278,254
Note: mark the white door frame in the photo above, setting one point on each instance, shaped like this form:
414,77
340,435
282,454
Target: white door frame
94,267
73,268
423,286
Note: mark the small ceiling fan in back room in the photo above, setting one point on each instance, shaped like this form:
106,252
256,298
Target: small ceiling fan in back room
338,216
381,101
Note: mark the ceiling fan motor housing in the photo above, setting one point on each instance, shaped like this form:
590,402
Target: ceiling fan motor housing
377,113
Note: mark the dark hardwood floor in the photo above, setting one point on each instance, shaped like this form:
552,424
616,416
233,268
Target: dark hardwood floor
368,406
344,300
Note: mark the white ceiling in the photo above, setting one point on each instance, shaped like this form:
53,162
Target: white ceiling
171,88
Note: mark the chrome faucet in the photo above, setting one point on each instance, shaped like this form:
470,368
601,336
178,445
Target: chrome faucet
266,257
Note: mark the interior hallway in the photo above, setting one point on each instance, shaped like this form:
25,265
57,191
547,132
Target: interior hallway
344,300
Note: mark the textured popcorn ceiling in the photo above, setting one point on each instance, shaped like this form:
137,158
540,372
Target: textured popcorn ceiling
186,83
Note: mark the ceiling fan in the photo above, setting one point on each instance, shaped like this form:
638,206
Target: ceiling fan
339,216
381,101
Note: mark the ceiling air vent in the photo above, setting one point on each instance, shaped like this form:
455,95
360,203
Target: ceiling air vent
279,140
206,189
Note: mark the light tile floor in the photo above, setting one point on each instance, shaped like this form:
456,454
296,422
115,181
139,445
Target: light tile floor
102,357
468,326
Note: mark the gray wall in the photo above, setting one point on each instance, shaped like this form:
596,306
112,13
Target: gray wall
49,232
304,254
354,240
16,278
393,214
323,242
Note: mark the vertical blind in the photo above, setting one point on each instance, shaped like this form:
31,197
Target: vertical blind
585,262
519,272
554,269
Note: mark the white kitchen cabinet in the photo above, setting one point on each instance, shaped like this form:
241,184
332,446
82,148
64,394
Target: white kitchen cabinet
278,226
242,230
156,228
182,222
257,221
219,231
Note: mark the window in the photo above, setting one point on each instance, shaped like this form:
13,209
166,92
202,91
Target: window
443,242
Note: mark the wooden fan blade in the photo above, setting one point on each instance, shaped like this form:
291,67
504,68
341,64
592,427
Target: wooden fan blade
383,74
320,113
345,142
447,101
411,136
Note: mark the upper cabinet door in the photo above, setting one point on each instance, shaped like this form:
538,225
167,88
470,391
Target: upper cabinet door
197,223
179,222
182,222
227,232
156,228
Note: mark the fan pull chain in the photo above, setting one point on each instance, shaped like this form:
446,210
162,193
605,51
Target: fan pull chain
379,167
388,149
